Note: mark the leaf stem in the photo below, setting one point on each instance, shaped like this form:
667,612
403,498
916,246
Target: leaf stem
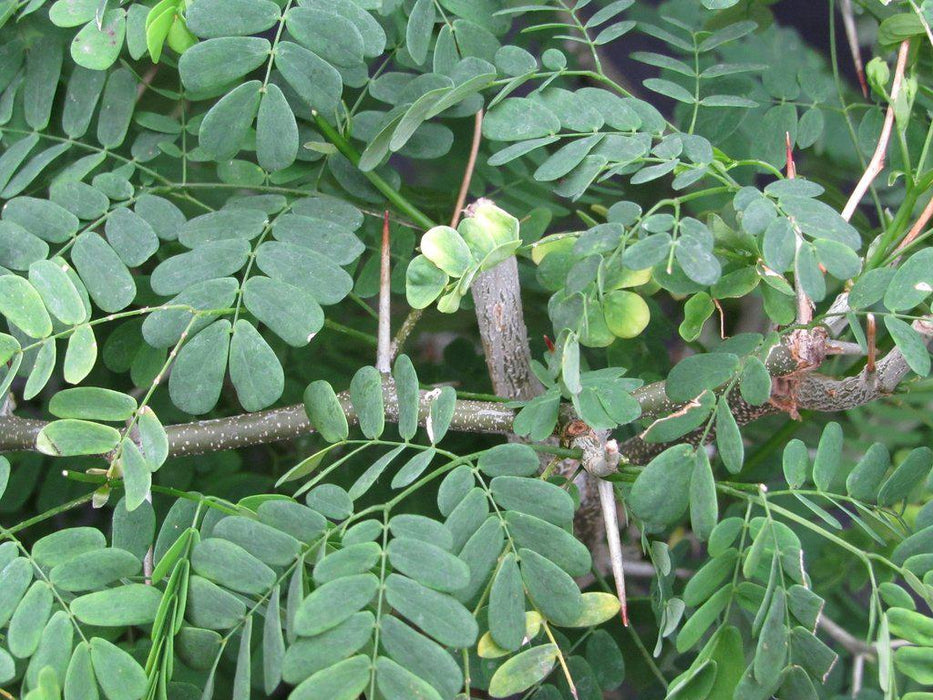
332,135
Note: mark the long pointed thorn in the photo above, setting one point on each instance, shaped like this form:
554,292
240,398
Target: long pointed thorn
607,499
791,167
384,337
861,81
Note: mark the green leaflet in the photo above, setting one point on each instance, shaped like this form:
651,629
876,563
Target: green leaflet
395,681
550,589
43,69
26,625
43,218
268,544
214,63
910,343
109,283
697,373
231,566
421,656
428,564
507,605
513,459
217,18
97,47
342,681
276,131
523,670
94,569
660,494
704,508
116,108
325,412
19,248
164,328
91,403
211,607
913,470
120,676
4,480
295,323
22,305
307,656
826,464
419,29
58,292
516,119
315,80
353,559
366,395
330,36
226,125
255,370
208,261
307,269
437,614
197,378
133,604
533,497
334,602
54,651
70,437
908,286
331,501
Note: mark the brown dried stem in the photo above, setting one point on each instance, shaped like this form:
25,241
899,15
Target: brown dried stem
876,164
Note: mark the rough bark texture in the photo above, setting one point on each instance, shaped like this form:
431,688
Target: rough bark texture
499,313
809,390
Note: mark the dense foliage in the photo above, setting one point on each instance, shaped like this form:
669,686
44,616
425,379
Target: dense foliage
221,480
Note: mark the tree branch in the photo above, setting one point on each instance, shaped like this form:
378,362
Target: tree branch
499,313
876,164
810,390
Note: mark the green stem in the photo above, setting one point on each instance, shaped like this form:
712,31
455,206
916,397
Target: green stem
332,135
352,332
64,507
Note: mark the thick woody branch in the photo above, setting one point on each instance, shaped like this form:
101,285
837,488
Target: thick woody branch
811,391
199,437
802,390
498,301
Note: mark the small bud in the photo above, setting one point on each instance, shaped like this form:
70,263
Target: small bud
878,74
491,233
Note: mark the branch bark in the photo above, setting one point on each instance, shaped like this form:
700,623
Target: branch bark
499,313
812,391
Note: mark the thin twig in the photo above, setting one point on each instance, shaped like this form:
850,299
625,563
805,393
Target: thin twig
842,347
872,347
408,325
851,643
848,21
146,82
876,164
414,315
468,171
384,337
858,671
917,228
